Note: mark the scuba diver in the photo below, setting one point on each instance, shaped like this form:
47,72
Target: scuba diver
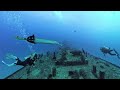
28,60
106,50
34,40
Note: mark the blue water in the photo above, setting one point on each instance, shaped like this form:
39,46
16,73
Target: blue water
93,30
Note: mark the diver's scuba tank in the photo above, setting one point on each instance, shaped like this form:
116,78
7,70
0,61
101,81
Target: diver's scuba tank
31,39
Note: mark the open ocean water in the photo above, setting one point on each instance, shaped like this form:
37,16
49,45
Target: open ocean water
80,29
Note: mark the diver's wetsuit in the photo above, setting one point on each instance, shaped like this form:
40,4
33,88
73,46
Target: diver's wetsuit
107,50
28,61
31,39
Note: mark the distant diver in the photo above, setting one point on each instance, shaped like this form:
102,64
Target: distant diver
34,40
28,60
105,50
74,31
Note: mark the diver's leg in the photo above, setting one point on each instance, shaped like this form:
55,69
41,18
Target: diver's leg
112,53
116,52
118,56
44,41
10,56
12,64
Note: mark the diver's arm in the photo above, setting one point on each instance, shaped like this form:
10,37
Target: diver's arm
20,38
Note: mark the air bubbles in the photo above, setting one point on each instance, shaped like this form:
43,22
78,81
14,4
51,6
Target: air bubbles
14,21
